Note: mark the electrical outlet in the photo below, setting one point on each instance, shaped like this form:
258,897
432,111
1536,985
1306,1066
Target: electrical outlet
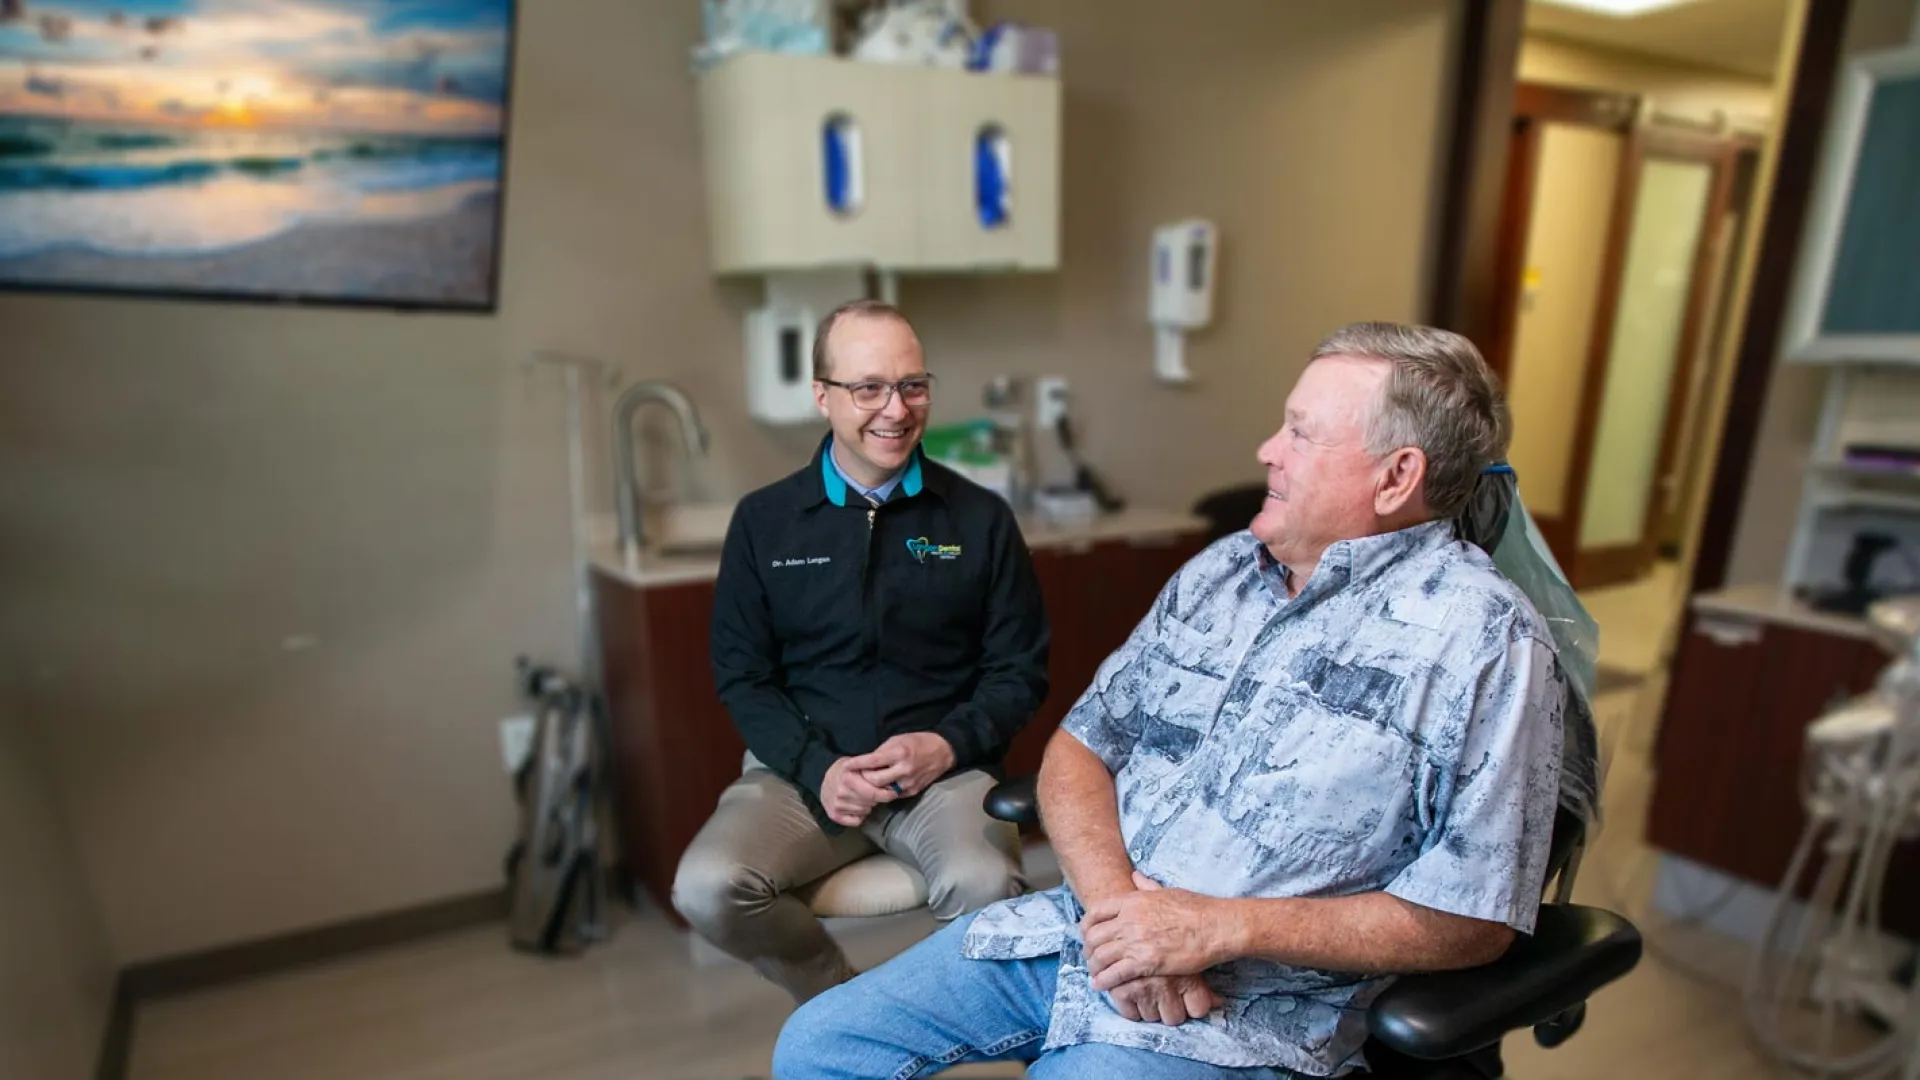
516,741
1049,401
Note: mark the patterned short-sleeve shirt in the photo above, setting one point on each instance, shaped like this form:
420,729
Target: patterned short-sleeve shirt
1396,727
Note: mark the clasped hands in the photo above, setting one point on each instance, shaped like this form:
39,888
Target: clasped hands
1147,950
900,768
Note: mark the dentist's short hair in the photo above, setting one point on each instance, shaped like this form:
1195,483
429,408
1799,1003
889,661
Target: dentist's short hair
865,309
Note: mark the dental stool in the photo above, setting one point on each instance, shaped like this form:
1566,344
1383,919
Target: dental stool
867,888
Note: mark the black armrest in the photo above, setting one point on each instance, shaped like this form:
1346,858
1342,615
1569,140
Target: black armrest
1014,800
1572,952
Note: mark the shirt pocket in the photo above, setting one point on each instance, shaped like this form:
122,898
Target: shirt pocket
1326,787
1186,648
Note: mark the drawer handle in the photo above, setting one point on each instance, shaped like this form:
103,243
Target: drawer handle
1729,633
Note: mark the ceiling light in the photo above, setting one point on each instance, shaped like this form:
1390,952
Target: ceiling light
1619,9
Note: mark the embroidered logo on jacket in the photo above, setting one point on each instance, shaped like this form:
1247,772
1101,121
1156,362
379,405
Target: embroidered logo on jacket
923,549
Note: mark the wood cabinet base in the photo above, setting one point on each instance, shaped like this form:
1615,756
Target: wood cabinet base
1727,789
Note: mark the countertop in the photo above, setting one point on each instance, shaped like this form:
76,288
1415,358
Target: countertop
1775,604
653,569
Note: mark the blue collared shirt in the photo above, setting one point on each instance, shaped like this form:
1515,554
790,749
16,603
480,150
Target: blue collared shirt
1396,727
835,474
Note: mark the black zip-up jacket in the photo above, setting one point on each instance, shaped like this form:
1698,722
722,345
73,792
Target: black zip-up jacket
837,626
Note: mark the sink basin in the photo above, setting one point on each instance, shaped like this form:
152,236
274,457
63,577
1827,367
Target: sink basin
682,529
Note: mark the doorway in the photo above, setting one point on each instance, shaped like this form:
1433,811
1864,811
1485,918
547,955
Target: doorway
1614,258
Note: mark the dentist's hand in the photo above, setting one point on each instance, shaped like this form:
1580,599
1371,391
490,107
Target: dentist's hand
849,796
912,761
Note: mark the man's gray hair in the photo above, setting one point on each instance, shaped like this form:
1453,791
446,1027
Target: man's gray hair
1440,397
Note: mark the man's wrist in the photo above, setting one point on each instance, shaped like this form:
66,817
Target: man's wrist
1104,888
949,756
816,758
1231,932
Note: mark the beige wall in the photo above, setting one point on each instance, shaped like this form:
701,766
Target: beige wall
1792,411
1309,133
1689,90
55,978
272,566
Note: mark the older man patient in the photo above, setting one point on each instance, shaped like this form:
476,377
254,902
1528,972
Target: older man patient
1331,752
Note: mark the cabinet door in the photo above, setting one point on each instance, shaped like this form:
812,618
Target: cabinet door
1712,703
1066,582
1727,789
674,747
764,118
1020,114
1136,572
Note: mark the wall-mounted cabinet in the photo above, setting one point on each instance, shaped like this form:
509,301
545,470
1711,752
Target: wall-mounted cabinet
816,162
974,128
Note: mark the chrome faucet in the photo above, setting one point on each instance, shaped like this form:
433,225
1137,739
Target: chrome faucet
626,479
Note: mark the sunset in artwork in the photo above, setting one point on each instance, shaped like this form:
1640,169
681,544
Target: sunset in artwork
315,149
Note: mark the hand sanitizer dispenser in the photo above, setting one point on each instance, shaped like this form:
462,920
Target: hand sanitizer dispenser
1182,295
779,340
780,365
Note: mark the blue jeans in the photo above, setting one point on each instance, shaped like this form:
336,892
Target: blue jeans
930,1008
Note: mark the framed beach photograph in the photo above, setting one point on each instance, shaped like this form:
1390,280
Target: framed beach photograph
310,151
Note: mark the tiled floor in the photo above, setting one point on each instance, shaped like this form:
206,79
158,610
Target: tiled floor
463,1007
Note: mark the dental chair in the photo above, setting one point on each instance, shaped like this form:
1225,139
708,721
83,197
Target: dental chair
1448,1025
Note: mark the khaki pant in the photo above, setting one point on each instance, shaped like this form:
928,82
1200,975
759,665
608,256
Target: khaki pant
734,881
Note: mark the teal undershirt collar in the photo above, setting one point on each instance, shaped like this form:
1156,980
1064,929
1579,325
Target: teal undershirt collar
910,483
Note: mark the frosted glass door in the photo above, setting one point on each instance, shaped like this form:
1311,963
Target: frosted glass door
1656,282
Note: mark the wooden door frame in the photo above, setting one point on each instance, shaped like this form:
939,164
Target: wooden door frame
1535,105
1796,163
1464,284
1694,461
1466,224
1623,562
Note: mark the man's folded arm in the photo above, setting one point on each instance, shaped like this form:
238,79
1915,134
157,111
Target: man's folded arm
1013,659
745,671
1366,934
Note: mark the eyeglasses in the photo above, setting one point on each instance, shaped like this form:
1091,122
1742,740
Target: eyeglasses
873,396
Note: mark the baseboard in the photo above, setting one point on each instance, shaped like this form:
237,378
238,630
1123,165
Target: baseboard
267,956
116,1041
1597,568
208,968
226,964
1690,892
